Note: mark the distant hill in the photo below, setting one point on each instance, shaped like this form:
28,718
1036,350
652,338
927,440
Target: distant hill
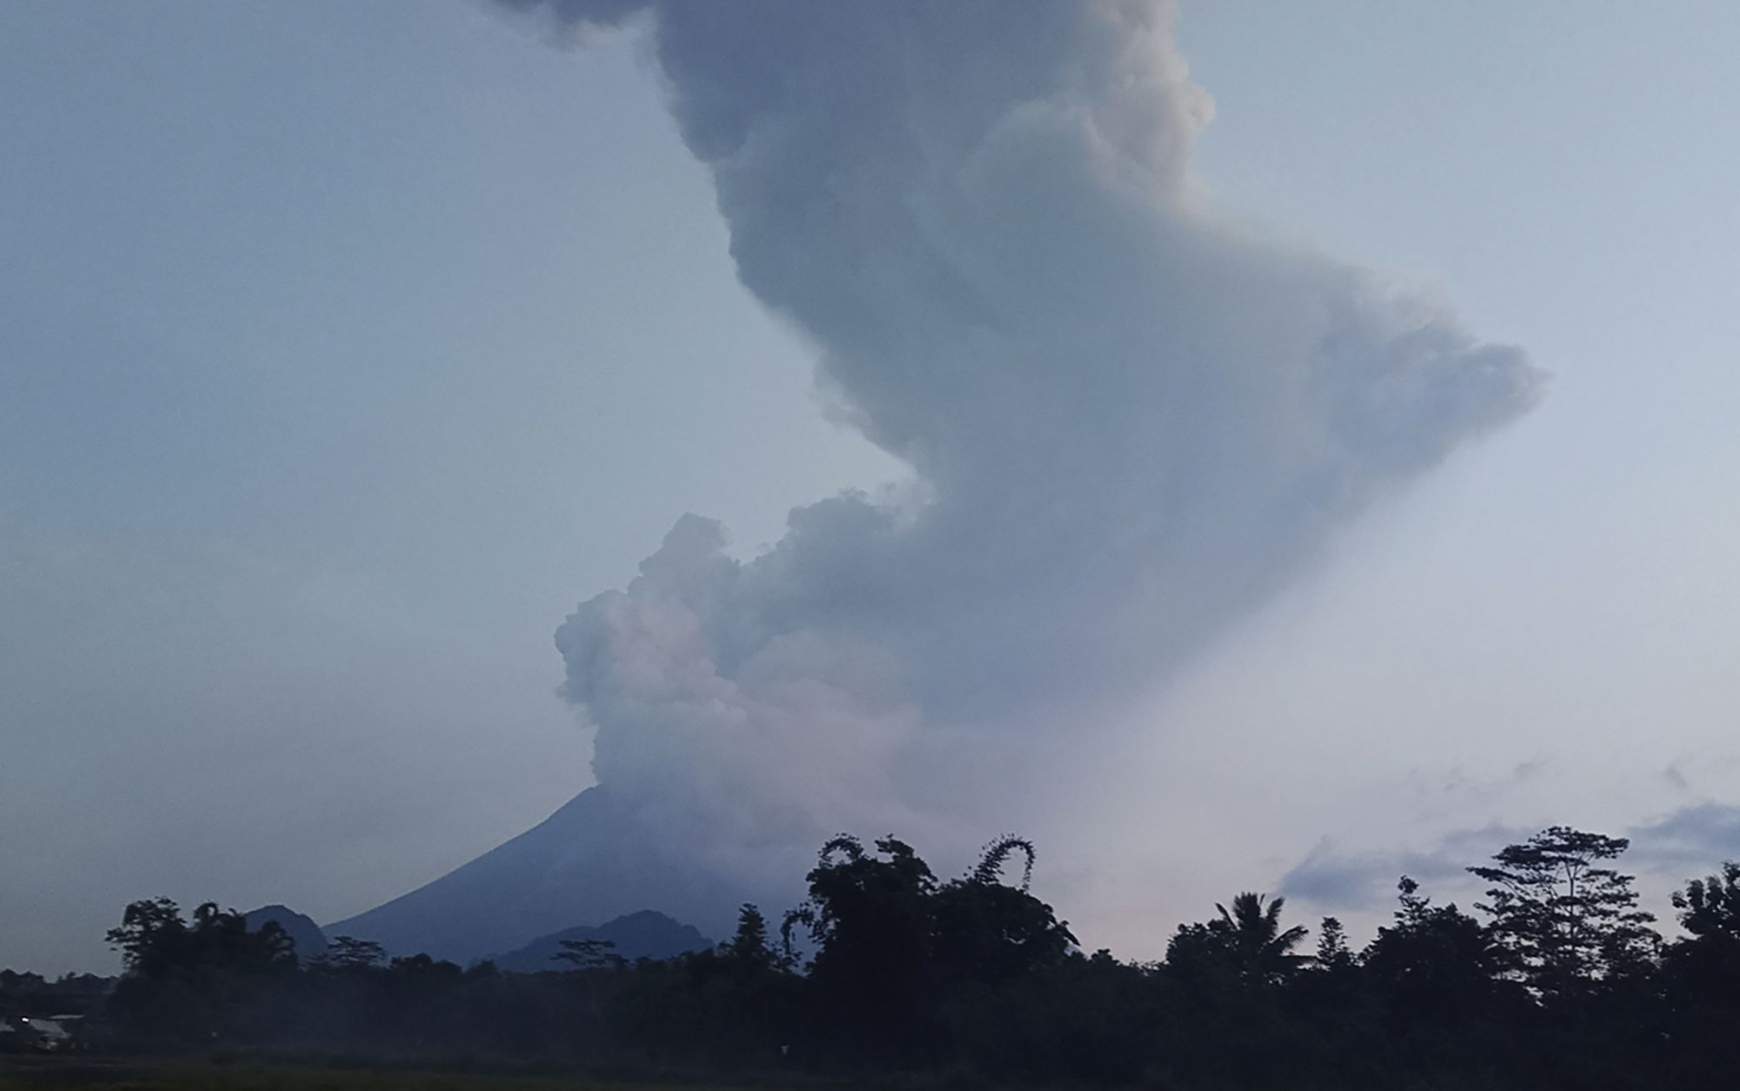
309,940
646,934
586,862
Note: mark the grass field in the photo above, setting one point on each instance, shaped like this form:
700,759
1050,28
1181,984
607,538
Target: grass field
87,1075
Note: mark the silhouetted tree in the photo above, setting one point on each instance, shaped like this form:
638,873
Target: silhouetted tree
156,943
974,980
1710,908
1432,962
347,954
862,908
1564,921
1335,984
1199,953
989,869
869,917
1334,956
588,954
748,949
1704,967
1264,951
987,931
193,980
426,968
1245,943
151,936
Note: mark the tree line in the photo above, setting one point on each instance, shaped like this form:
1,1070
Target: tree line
1560,981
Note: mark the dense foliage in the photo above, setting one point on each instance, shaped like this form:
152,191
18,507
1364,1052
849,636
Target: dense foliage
885,969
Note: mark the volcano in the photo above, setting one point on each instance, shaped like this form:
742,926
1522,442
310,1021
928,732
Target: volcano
582,865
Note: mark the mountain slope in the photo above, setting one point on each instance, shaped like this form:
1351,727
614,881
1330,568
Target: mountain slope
310,941
646,934
582,863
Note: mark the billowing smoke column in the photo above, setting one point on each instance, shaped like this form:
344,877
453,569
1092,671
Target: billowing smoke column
1127,420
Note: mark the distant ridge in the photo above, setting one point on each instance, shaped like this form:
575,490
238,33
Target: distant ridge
646,934
305,935
586,862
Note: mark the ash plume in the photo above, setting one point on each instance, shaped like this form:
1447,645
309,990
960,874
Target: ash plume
1128,419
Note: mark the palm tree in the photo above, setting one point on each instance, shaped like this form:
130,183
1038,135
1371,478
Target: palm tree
1254,939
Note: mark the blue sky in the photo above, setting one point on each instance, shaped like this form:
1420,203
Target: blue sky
343,348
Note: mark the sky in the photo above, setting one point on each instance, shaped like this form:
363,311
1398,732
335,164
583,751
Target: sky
345,349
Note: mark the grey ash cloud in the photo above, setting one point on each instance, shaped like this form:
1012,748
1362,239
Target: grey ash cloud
1128,419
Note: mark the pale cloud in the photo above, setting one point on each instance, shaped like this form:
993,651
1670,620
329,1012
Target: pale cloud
1128,422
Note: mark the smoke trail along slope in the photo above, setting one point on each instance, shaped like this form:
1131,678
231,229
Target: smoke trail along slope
1127,420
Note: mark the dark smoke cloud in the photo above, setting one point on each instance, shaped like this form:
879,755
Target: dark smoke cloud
1700,836
1669,849
1128,419
1330,879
